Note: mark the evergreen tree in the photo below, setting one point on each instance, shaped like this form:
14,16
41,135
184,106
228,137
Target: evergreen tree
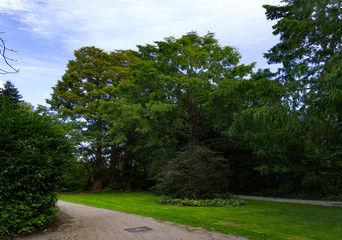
11,92
92,77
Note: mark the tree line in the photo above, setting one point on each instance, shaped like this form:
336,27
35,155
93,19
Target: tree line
184,117
130,112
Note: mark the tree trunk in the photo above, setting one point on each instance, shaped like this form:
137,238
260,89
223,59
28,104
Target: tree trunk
97,173
193,135
127,168
113,163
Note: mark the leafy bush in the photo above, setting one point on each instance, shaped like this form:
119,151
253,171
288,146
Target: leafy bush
215,202
78,177
33,156
116,187
196,173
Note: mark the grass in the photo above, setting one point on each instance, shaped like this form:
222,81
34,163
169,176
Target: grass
256,220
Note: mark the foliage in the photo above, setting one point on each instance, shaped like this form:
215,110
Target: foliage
117,187
261,220
189,69
163,105
310,37
130,112
310,51
78,176
33,157
92,77
215,202
196,173
11,92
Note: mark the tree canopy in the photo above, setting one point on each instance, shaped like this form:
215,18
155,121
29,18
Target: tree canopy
11,92
136,112
192,68
310,51
92,77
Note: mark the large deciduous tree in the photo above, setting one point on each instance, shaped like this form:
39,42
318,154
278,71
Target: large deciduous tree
90,78
310,50
192,67
164,107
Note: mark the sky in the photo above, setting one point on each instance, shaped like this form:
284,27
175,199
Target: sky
45,33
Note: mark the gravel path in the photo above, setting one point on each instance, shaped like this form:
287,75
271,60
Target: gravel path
84,222
80,222
315,202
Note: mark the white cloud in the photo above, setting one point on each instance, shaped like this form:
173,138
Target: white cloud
127,23
13,5
54,28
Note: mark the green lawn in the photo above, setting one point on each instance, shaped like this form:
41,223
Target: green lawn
256,220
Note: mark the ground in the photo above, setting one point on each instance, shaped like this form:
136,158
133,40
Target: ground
80,222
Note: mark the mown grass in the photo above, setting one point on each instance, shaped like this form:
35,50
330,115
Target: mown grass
256,220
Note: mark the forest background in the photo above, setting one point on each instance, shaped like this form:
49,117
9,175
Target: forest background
132,114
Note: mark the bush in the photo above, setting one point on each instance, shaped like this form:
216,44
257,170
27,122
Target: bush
78,177
33,156
196,173
116,187
215,202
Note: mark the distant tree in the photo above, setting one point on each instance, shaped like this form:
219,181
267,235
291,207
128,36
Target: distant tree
11,92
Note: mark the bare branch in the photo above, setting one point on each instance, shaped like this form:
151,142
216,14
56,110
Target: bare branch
3,50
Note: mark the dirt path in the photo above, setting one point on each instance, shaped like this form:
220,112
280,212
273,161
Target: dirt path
85,222
315,202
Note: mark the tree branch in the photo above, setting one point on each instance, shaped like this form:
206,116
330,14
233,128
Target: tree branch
3,49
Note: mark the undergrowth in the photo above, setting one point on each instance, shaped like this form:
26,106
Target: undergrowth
215,202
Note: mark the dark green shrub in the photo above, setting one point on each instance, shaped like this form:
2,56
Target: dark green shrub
116,187
196,173
33,154
215,202
78,177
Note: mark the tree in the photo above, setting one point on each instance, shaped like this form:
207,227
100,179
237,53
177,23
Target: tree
192,67
130,118
163,107
252,116
12,93
90,78
309,48
310,51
